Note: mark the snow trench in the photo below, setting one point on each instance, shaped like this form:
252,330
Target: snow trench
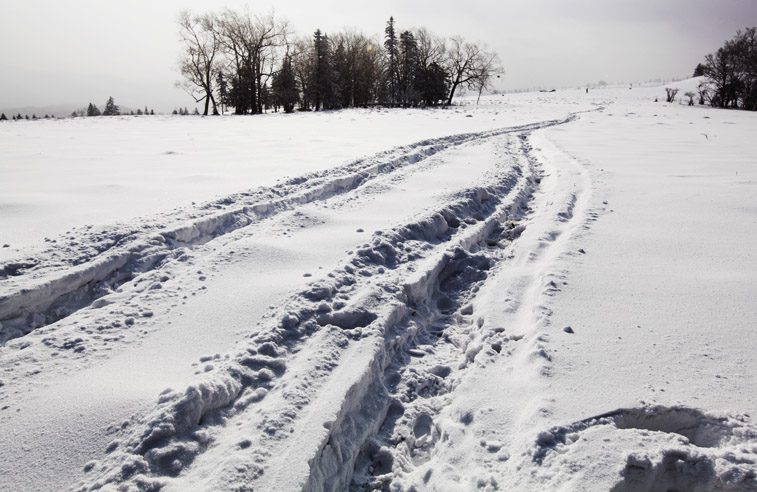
86,265
349,337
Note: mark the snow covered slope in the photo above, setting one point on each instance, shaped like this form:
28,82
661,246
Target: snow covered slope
542,292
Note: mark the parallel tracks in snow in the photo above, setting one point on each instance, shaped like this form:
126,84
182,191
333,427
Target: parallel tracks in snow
303,406
78,270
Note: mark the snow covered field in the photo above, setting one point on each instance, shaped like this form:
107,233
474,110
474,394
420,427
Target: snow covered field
549,291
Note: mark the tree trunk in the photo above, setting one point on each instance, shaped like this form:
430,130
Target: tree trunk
452,93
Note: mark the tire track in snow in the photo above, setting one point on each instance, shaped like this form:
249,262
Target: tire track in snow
57,282
270,388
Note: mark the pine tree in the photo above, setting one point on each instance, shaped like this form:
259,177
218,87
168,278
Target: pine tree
139,112
110,108
239,95
408,69
324,87
285,92
390,44
92,110
223,91
152,112
433,84
197,112
3,117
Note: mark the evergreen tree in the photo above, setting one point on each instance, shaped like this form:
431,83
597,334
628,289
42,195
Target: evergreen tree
175,112
239,95
407,70
139,112
146,112
152,112
223,91
110,108
3,117
432,84
92,110
197,112
324,87
18,117
284,85
26,116
699,70
390,44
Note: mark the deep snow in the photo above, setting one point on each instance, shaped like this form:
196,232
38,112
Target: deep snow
541,292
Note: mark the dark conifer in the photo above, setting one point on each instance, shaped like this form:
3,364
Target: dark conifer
390,44
284,86
92,110
110,108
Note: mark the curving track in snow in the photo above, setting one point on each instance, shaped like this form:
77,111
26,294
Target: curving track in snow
304,402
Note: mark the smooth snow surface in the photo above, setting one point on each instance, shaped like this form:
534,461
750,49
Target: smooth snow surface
550,291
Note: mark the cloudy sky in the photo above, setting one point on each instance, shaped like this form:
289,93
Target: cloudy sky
76,51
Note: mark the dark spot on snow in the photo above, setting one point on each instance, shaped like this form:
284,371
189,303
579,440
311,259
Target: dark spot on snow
440,371
422,426
347,320
568,329
383,462
245,444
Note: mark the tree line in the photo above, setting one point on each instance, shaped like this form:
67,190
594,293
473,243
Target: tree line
731,73
254,63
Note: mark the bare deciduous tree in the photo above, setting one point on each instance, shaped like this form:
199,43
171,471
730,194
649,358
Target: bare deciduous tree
199,63
470,65
254,46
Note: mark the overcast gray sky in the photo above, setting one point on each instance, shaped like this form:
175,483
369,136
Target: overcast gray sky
77,51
